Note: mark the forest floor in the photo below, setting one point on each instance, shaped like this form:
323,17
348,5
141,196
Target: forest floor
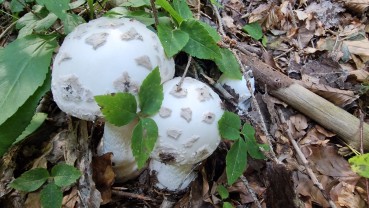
321,43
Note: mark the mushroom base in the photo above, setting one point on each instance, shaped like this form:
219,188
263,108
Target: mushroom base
118,141
170,177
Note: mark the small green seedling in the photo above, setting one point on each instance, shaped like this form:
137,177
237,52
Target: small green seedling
224,194
51,195
121,108
360,164
256,32
244,144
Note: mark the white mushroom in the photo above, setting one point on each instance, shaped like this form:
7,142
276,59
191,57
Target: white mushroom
188,132
106,56
239,88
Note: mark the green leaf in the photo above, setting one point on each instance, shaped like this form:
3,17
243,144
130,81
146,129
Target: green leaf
252,146
229,126
254,30
136,3
17,5
71,21
22,117
76,4
57,7
360,164
45,23
264,41
227,205
236,161
31,180
223,192
151,93
24,64
167,7
37,120
65,175
144,137
212,32
51,196
37,21
119,108
182,8
228,64
200,44
173,40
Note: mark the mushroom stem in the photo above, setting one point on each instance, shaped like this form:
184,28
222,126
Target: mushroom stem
118,141
172,177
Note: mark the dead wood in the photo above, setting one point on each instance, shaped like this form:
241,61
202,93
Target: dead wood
333,118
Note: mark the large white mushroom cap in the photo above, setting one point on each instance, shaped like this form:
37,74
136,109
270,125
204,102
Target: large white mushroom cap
188,132
187,122
105,56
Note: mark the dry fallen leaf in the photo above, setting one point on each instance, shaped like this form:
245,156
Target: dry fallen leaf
103,175
358,47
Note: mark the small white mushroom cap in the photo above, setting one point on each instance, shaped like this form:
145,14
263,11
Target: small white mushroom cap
188,130
239,87
104,56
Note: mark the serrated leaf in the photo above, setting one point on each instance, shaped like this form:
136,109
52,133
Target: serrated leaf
151,93
200,44
360,164
51,196
167,7
118,108
144,137
24,64
65,175
227,205
229,126
212,31
31,180
236,161
223,192
36,122
254,30
228,64
252,146
182,8
22,117
173,40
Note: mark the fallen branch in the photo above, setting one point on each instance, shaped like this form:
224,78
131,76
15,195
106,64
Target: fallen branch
333,118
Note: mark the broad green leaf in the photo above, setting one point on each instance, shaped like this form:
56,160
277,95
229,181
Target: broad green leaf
37,21
65,175
24,64
136,3
360,164
254,30
173,40
227,205
31,180
71,21
252,146
229,126
151,93
212,32
236,161
51,196
57,7
118,108
228,64
223,192
45,23
36,122
182,8
21,118
17,5
76,4
200,44
167,7
144,137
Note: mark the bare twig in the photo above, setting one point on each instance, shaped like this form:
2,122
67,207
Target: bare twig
251,191
131,195
7,29
154,12
304,161
220,23
179,85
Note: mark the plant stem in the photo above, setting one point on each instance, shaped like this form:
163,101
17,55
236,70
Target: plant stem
154,12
